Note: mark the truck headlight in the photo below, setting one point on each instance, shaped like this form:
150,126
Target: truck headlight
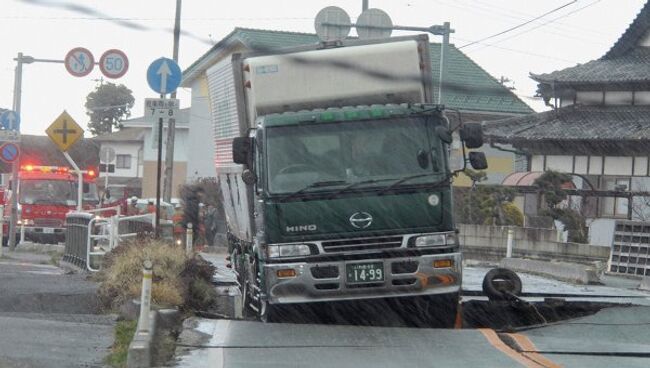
288,250
436,240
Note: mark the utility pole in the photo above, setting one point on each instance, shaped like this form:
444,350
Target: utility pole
13,221
364,5
171,125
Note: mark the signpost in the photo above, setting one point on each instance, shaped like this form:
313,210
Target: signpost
163,76
114,63
65,132
79,62
10,120
9,152
106,156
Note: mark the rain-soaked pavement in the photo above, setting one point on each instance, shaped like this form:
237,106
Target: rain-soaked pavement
604,331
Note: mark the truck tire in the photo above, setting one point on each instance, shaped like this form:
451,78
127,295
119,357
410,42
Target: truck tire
498,283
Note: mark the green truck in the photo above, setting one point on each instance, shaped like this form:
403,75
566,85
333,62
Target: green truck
339,186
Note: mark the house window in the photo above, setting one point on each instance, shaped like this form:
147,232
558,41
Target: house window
615,206
123,161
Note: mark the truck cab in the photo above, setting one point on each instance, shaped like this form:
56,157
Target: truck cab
344,188
45,195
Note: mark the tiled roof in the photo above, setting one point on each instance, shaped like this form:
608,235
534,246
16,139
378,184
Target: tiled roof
468,86
123,135
575,123
630,38
625,62
634,66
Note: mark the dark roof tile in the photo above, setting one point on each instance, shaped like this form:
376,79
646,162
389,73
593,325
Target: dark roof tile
575,123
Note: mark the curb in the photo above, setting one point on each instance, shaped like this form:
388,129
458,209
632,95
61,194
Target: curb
140,348
571,272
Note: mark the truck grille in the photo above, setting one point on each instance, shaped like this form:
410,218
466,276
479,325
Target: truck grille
362,244
48,222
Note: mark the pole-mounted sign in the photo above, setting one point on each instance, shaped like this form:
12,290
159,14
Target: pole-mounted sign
114,63
164,75
64,131
79,62
9,152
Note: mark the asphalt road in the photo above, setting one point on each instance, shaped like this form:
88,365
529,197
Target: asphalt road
49,318
614,336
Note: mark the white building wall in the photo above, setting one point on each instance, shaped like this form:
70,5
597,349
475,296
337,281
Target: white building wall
537,163
180,145
618,165
125,148
200,163
559,163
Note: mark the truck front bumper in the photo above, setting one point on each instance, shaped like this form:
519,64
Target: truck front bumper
327,281
39,234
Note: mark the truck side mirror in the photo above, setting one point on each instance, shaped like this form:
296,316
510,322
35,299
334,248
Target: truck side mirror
478,160
472,135
444,134
242,149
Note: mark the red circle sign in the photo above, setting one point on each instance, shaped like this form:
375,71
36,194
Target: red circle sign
114,63
9,152
79,62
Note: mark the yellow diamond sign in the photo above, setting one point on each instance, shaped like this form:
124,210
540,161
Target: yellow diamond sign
64,131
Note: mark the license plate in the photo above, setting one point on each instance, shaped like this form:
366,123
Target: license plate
48,230
359,273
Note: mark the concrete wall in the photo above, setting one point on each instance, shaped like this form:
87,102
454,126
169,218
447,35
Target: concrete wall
489,243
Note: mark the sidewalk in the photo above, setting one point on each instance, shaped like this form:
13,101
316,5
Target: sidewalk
49,318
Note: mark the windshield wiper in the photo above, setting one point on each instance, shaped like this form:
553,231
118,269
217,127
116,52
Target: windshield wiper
317,184
407,178
352,185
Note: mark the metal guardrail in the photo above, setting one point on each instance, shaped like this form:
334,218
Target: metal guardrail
90,236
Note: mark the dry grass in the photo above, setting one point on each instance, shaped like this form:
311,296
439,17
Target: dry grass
174,275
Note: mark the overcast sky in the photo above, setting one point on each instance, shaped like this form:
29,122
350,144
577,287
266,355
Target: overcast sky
48,29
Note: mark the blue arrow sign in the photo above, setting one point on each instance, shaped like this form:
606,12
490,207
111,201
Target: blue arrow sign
164,75
10,120
9,152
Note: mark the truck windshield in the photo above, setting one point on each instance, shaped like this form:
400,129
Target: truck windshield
39,191
350,152
90,195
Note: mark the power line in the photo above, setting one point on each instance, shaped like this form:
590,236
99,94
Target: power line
519,25
558,25
550,21
523,52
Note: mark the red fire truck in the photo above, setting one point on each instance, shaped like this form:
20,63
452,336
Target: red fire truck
45,195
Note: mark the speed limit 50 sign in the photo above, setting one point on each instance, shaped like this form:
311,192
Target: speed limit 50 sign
114,63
